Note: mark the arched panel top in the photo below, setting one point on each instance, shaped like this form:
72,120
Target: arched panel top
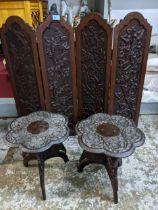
130,17
57,58
17,20
130,53
93,60
47,23
94,16
20,50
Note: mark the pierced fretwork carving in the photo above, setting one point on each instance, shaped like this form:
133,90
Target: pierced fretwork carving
93,64
55,39
19,46
131,41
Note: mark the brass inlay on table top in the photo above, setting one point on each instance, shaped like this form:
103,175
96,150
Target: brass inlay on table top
37,127
107,130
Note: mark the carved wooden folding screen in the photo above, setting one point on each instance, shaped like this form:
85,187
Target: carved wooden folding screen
131,43
19,44
56,49
93,52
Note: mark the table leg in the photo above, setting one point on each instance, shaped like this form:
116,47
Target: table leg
57,150
61,147
83,163
63,156
89,158
83,156
27,157
119,162
41,174
111,166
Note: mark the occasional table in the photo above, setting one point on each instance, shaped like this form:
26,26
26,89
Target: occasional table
40,136
106,139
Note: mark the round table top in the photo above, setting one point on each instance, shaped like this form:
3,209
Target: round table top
113,135
37,131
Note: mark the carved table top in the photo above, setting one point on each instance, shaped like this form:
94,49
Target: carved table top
113,135
37,131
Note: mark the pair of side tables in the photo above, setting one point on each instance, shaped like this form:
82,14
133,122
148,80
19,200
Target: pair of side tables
105,139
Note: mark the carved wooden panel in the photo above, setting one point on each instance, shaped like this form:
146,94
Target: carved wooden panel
56,48
20,51
131,42
93,50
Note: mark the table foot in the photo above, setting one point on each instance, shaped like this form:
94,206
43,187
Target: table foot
111,165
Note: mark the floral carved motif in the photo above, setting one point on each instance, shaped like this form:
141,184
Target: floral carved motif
22,69
129,68
93,40
58,57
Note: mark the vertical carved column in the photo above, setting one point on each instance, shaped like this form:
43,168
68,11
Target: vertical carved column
93,60
56,49
130,53
19,45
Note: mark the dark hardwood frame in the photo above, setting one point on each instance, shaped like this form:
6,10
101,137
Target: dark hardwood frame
41,46
103,23
32,37
117,30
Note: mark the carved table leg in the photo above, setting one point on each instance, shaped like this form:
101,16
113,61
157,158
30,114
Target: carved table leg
63,156
89,158
41,174
57,150
83,163
111,166
62,148
83,156
27,157
119,162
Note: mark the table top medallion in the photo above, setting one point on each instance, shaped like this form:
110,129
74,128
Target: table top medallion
113,135
37,131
